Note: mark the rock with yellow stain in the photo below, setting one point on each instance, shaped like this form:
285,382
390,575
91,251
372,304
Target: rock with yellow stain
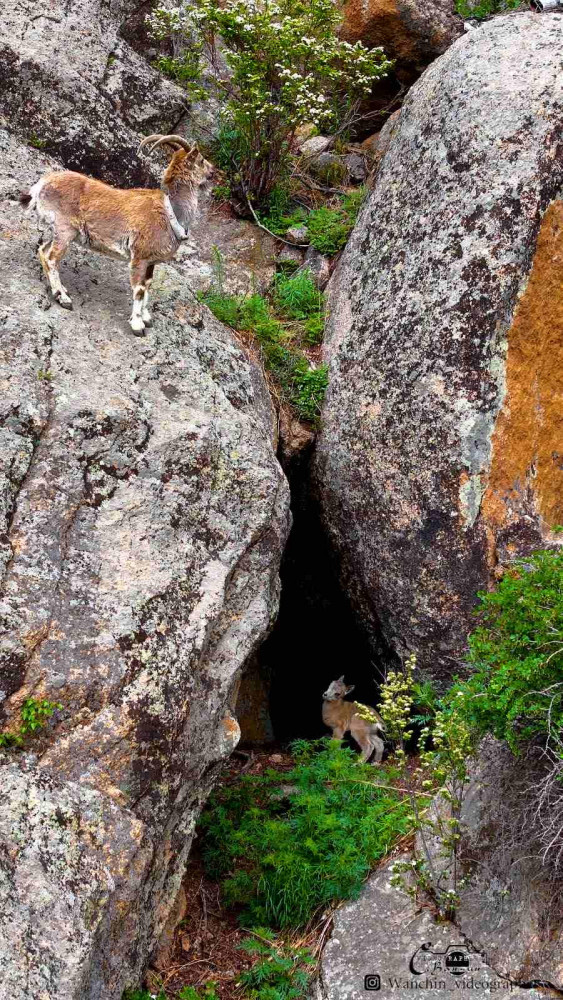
413,32
440,457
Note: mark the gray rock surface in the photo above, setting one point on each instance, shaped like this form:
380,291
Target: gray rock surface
299,234
376,146
512,903
72,86
382,934
290,255
142,518
355,164
318,267
314,146
435,465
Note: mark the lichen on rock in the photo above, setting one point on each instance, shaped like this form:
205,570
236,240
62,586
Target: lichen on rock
143,518
439,456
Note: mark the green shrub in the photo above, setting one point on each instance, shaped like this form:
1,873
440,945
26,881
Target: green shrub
184,70
425,702
35,714
486,8
313,329
435,788
222,192
282,852
279,974
298,297
279,215
516,690
329,229
310,385
256,317
225,307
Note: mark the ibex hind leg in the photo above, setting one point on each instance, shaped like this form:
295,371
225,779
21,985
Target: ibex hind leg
50,257
366,747
378,746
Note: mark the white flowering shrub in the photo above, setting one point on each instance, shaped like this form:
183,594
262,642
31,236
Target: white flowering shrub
436,788
288,68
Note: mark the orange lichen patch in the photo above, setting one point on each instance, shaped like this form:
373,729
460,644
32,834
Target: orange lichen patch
34,638
378,22
526,474
230,726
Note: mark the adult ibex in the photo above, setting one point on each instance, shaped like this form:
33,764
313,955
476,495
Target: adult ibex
142,225
344,717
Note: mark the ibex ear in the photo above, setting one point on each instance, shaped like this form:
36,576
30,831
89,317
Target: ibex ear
350,688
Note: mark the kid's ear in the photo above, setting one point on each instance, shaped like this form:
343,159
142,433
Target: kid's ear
340,680
350,688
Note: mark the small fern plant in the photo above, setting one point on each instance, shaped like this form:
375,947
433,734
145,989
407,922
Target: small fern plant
280,973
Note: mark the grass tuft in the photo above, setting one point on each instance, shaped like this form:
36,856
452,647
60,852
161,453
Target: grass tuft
299,302
297,296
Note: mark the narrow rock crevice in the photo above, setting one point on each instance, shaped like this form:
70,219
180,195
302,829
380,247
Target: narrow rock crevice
316,637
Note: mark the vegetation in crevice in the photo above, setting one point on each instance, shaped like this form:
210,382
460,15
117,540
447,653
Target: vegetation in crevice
283,326
35,714
286,845
481,10
514,693
328,226
516,689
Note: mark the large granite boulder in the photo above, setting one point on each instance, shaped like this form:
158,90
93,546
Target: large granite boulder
385,942
142,518
512,902
439,458
412,32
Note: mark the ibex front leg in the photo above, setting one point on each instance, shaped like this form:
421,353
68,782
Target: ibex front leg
140,279
146,316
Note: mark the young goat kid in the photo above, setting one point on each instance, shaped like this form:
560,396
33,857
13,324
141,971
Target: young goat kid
143,225
342,717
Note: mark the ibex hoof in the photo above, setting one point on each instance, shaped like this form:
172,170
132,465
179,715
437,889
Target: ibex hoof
64,300
137,326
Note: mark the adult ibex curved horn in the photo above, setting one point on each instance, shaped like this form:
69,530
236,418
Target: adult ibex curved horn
177,141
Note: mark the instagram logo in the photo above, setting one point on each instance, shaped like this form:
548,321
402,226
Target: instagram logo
372,983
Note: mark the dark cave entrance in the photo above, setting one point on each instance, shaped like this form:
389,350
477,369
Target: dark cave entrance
316,637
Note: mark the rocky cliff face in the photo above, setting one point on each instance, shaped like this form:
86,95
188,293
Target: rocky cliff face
142,518
71,84
385,935
440,454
